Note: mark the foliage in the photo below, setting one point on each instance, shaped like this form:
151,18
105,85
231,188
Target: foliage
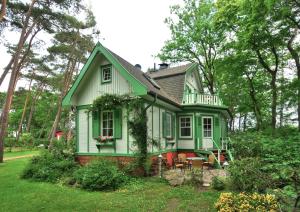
100,175
271,163
137,123
194,38
218,183
51,166
247,175
231,202
111,101
27,140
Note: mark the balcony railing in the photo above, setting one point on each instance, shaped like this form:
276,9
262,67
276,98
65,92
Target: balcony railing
203,99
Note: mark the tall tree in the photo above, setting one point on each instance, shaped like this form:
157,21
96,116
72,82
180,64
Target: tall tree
39,13
71,46
194,38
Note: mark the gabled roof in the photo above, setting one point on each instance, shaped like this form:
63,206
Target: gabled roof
138,79
171,71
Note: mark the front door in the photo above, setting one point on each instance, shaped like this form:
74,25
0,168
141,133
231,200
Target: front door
207,132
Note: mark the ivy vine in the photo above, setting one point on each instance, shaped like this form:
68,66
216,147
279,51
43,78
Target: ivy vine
137,124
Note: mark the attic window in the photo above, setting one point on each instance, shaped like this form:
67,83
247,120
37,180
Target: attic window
152,81
106,73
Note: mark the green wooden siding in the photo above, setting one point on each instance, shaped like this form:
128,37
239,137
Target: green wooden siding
118,123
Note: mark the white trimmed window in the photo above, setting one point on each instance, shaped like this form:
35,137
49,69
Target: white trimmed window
185,124
107,123
106,73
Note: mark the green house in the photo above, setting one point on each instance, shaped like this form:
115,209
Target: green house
181,118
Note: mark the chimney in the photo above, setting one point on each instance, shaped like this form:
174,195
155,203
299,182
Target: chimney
163,66
138,66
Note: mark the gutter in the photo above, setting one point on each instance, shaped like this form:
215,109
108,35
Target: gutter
164,99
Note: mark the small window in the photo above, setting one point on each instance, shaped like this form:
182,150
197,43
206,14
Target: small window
107,123
106,73
168,125
185,127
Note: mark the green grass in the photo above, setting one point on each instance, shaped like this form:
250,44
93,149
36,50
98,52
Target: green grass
148,195
20,153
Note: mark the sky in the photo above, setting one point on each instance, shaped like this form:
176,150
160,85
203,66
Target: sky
134,29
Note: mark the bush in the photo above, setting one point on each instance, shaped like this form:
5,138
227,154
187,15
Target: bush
9,143
100,175
52,165
49,168
218,183
246,145
246,202
247,175
26,140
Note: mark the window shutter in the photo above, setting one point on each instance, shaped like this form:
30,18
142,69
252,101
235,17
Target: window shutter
96,123
216,121
173,126
164,125
118,123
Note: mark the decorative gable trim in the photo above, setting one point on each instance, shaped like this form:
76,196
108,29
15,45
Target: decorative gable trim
138,87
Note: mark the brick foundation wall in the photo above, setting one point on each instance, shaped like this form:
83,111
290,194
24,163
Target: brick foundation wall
123,160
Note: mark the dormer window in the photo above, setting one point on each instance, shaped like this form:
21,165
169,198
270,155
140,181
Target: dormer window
106,73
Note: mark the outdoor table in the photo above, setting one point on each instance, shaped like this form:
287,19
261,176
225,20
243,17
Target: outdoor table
190,159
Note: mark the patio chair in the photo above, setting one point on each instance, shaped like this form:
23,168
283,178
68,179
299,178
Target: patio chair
210,162
197,164
180,161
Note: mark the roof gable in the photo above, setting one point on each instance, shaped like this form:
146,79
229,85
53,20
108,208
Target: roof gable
138,87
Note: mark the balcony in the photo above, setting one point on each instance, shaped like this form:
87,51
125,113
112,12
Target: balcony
201,99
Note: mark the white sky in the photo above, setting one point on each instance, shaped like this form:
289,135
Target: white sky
134,29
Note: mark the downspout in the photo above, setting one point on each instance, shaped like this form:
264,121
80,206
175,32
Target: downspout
146,108
88,131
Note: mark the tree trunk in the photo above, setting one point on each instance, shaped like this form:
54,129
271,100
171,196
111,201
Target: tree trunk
14,74
67,81
296,58
240,121
3,10
6,70
274,100
256,107
32,108
245,122
24,112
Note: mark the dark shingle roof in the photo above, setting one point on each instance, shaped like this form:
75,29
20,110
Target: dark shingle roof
170,71
173,85
140,76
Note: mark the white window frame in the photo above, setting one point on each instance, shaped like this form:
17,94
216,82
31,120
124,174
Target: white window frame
102,125
212,126
191,126
103,68
169,116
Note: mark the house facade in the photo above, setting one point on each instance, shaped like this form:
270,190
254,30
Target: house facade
181,118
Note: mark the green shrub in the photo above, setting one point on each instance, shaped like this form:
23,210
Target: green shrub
9,142
100,175
246,145
218,183
247,175
26,140
49,168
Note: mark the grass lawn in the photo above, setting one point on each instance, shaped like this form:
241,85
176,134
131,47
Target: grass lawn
19,153
151,195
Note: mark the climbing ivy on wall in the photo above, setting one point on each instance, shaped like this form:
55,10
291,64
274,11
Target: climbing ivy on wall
137,122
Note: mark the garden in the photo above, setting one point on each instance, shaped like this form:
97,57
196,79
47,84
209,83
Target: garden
263,177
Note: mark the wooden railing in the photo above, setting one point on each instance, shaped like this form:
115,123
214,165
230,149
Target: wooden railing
204,99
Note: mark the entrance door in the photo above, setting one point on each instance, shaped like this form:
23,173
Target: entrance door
207,133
